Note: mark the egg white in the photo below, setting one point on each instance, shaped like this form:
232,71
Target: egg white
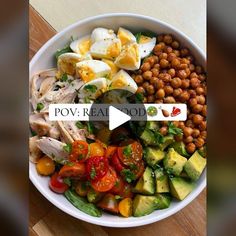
99,34
82,45
147,46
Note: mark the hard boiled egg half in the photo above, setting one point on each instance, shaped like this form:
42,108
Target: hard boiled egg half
146,45
125,36
122,80
99,34
91,69
82,45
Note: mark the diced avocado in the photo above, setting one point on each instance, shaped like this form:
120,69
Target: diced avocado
167,140
145,184
162,185
174,162
180,188
148,137
163,200
202,151
153,156
94,196
195,166
152,125
180,148
144,205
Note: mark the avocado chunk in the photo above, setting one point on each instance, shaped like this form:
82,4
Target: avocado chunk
180,188
148,137
94,196
167,140
180,148
153,156
162,185
163,200
195,166
145,184
174,162
144,205
152,125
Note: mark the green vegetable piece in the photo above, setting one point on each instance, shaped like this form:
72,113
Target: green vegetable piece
152,125
180,148
167,140
82,204
64,78
202,151
153,156
68,147
163,200
172,129
148,138
40,106
195,166
162,185
79,125
62,51
90,88
94,196
128,175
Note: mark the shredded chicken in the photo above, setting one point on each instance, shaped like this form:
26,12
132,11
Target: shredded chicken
34,152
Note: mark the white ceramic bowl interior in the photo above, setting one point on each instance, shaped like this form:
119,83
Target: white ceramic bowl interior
44,59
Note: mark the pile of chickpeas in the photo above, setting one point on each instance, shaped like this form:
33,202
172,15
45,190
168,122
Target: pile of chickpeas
171,75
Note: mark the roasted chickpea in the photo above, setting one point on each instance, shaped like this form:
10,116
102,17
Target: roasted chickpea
198,69
178,137
187,131
197,108
150,98
141,90
153,80
150,89
189,123
201,99
203,134
192,93
171,57
197,119
184,52
192,67
160,93
168,90
204,110
168,50
199,142
169,99
193,75
195,133
145,85
171,72
144,100
182,74
175,63
145,66
147,75
177,92
175,44
164,63
176,82
160,84
183,66
138,79
200,90
184,96
195,82
181,125
188,139
166,78
159,101
185,83
150,60
203,125
176,52
167,39
157,66
160,38
190,147
202,77
159,47
163,130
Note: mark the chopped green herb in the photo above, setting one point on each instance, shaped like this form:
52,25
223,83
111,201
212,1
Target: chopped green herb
138,36
90,88
172,129
91,128
93,173
40,106
67,148
159,137
67,181
79,125
70,81
64,77
128,175
118,197
139,97
147,34
132,166
62,51
127,151
117,183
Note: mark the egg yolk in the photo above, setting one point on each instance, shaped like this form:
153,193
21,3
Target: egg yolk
86,74
111,64
114,50
119,83
144,39
67,66
84,46
124,37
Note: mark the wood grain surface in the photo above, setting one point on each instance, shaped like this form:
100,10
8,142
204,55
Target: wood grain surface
47,220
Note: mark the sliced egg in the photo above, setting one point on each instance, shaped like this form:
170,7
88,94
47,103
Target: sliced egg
93,89
66,62
125,36
129,57
99,34
122,80
111,64
106,48
91,69
82,45
146,45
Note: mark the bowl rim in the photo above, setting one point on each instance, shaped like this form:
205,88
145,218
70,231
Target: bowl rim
88,218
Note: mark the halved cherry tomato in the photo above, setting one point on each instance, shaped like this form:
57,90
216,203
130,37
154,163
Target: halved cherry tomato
96,149
107,182
74,170
109,203
125,207
79,151
127,191
110,151
115,161
130,151
97,167
119,186
57,184
138,169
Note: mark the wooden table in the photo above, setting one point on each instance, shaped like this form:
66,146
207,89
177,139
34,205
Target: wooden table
46,220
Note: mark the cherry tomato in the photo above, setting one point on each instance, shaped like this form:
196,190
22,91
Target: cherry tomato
97,167
117,163
119,186
119,134
130,151
45,166
96,149
79,151
139,169
127,191
73,170
110,151
106,183
57,184
109,203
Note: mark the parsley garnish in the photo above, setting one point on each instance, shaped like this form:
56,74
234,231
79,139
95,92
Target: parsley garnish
67,148
127,151
138,36
67,181
62,51
133,166
118,197
139,97
64,77
93,173
159,137
90,88
90,127
172,129
128,175
79,125
40,106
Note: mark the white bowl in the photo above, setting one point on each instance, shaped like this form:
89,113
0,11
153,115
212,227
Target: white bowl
44,59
